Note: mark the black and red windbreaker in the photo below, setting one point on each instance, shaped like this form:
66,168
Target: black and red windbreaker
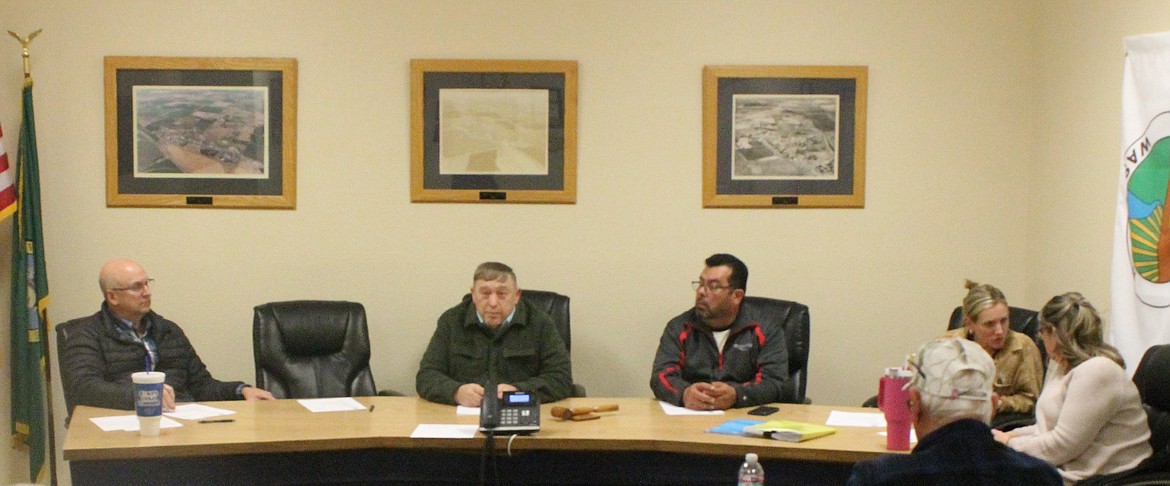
754,360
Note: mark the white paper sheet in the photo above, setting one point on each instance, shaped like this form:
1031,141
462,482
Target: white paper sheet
461,410
128,423
331,404
195,411
673,410
444,431
856,419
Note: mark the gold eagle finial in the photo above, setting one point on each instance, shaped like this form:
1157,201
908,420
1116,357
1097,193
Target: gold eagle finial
24,42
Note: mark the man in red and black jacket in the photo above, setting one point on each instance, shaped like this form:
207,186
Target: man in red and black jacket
720,354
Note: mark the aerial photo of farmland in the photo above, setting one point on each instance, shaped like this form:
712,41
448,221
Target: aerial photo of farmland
493,131
785,136
200,132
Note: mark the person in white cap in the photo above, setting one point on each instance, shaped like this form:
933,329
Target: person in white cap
951,403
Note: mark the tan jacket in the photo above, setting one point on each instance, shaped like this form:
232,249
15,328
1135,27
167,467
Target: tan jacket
1018,371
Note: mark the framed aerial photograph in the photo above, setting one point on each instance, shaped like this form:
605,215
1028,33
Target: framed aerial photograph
493,131
201,132
784,136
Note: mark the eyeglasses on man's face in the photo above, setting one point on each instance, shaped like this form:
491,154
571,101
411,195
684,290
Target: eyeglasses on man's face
137,288
710,285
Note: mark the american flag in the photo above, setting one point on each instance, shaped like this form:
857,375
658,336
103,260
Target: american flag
7,183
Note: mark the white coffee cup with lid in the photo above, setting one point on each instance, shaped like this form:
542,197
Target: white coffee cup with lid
148,400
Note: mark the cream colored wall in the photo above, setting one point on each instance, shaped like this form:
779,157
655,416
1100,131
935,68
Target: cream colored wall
975,113
1078,142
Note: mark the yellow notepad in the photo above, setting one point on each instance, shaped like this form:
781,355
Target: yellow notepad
788,431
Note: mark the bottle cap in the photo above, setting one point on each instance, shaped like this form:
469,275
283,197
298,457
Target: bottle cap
751,457
898,372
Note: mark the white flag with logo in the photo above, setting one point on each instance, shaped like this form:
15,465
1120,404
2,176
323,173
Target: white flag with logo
1141,242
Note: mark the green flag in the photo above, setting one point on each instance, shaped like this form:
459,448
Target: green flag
30,298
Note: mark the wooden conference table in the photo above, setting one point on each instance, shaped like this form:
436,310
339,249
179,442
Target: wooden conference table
281,442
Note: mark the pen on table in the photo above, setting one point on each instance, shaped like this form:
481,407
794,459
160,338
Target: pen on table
216,421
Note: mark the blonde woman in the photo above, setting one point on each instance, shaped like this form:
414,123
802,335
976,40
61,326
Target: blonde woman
1018,369
1089,418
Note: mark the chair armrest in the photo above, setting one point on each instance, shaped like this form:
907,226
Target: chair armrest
1012,420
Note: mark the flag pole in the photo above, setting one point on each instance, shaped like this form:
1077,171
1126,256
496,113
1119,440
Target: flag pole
47,369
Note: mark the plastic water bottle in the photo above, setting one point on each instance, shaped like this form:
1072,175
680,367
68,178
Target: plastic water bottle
751,473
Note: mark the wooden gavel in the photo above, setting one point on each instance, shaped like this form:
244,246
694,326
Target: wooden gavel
578,414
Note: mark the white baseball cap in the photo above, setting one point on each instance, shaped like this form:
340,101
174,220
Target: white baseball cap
953,368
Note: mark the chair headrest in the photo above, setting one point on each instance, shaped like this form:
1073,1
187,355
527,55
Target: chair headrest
791,316
1021,320
313,328
311,337
1150,377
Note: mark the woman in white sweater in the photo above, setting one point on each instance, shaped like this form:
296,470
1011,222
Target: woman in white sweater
1089,417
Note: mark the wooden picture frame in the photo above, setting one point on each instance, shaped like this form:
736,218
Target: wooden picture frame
490,131
201,132
784,136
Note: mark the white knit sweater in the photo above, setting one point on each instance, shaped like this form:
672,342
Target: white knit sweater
1089,421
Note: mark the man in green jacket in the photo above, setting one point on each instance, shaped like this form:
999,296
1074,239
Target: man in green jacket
498,338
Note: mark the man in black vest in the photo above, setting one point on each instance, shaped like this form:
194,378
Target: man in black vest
125,337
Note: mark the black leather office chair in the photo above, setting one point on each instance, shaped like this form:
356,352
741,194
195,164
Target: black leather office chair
1151,378
65,331
794,319
557,307
312,349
